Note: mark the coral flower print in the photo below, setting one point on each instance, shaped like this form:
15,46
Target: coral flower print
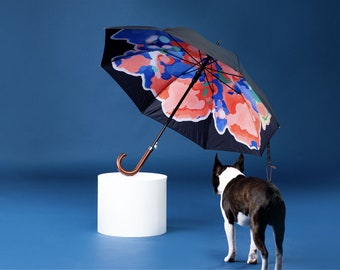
166,66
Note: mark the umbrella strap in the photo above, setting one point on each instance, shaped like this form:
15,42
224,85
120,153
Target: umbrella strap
270,166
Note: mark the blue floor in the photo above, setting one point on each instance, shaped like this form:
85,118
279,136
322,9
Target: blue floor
49,220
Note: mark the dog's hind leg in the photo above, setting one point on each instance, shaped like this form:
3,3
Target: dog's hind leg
277,220
279,229
259,229
252,257
230,233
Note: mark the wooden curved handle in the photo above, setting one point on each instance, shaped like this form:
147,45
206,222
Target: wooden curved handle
138,166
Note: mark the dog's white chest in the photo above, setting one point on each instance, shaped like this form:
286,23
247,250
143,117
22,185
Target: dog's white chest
226,176
242,219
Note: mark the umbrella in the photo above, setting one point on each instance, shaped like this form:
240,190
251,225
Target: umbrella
195,87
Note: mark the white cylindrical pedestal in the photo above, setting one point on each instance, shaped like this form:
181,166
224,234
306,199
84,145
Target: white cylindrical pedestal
132,206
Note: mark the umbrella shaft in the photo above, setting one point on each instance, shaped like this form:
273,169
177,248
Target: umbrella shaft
153,146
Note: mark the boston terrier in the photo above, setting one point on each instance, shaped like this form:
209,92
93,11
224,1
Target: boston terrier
249,201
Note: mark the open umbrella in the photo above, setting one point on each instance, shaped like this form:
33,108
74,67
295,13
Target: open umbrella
191,85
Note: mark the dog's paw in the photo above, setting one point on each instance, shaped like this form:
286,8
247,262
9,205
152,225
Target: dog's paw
252,258
230,257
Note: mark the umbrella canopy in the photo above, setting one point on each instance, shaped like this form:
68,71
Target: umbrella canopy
191,85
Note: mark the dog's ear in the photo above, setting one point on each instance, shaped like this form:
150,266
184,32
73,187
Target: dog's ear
216,172
217,161
218,166
240,163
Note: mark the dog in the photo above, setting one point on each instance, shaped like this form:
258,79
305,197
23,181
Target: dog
249,201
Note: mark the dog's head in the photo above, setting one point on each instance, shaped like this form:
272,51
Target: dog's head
223,174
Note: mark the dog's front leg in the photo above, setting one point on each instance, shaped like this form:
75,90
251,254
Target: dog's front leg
252,257
230,233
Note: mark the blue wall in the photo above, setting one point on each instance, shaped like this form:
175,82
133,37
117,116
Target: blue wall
59,110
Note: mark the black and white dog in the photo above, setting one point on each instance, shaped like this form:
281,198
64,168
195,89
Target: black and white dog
249,201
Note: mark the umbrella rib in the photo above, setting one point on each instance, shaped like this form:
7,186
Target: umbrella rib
212,73
209,70
195,62
192,57
212,70
220,81
209,82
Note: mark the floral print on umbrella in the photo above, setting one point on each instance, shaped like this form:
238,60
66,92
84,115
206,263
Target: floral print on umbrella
167,65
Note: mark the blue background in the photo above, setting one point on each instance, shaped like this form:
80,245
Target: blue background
64,120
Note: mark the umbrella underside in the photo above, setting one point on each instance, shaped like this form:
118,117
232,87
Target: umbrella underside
221,111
